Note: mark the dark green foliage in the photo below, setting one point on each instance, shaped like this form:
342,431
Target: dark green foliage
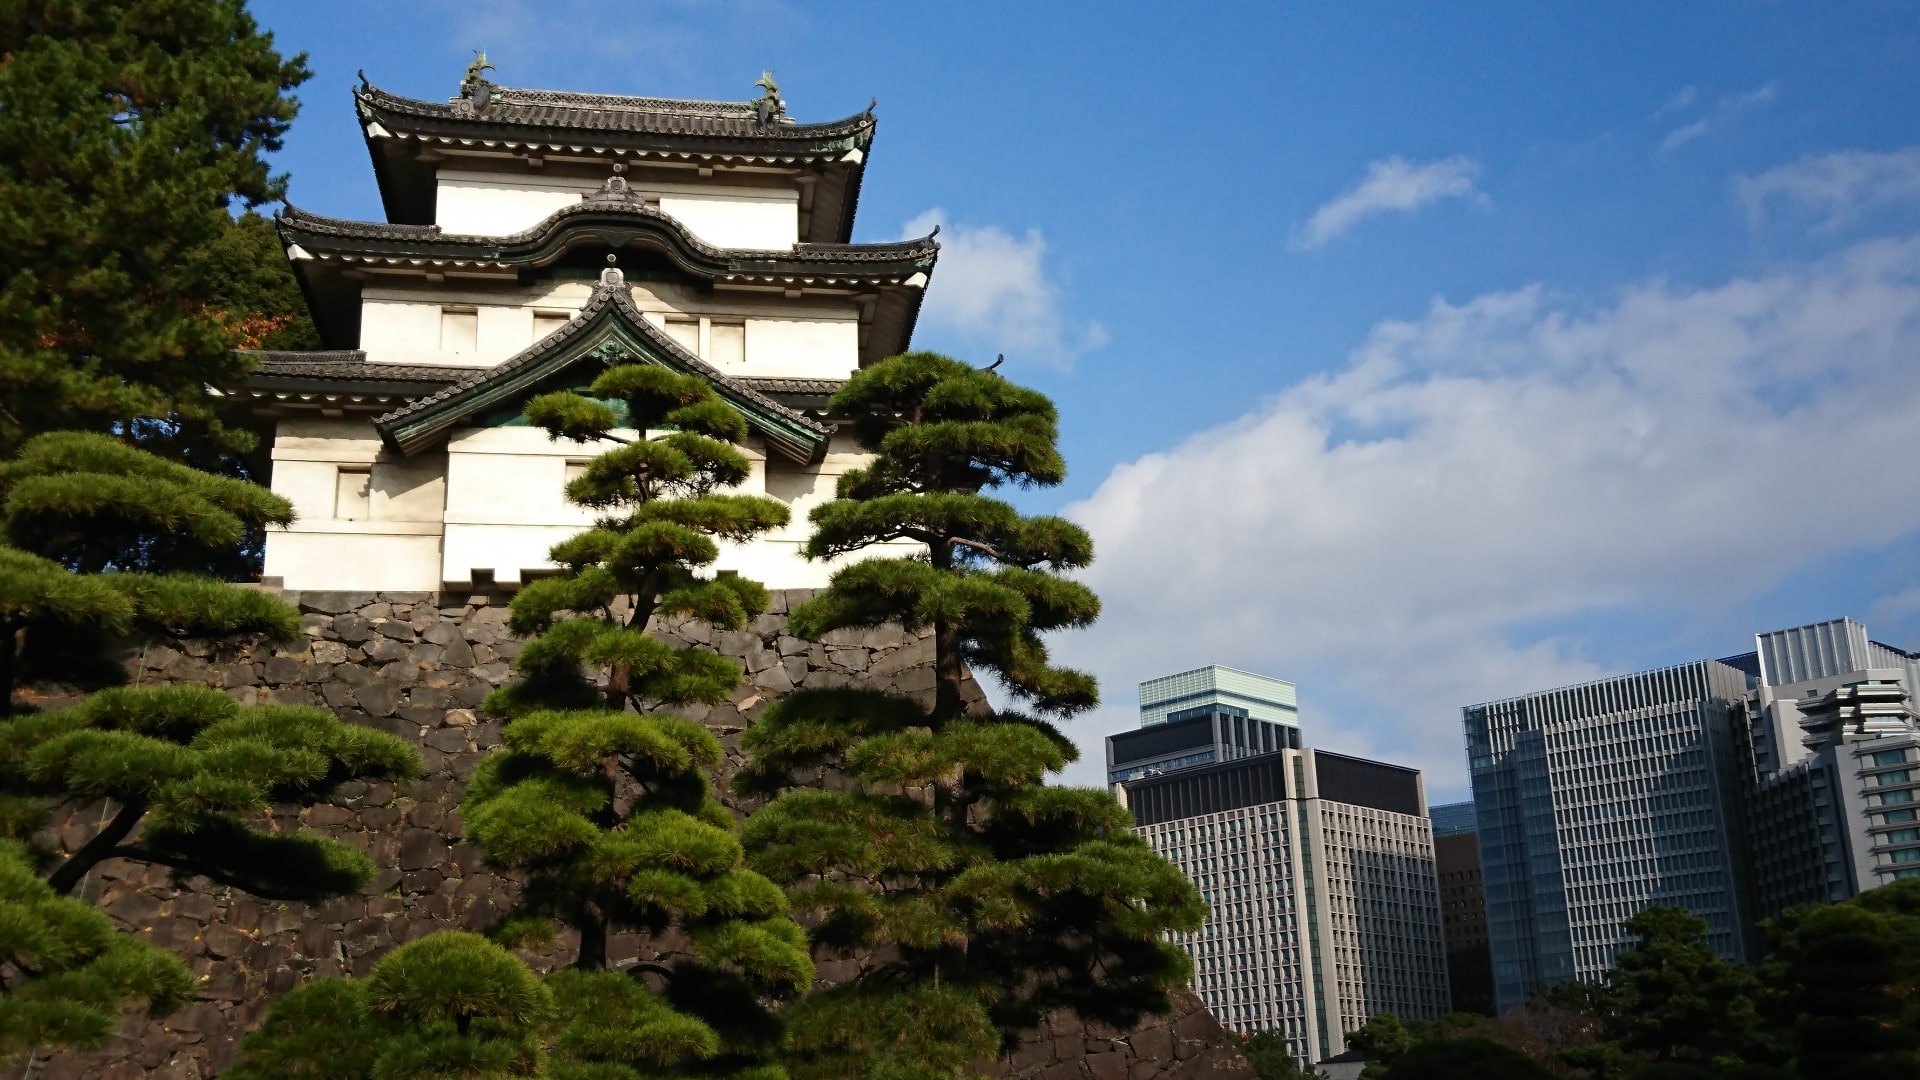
1267,1053
1465,1059
604,808
1848,983
450,1005
91,529
189,774
67,971
95,532
1676,1000
127,127
984,898
1838,995
251,290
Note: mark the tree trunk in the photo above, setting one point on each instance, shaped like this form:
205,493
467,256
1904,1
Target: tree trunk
593,940
9,656
68,875
947,672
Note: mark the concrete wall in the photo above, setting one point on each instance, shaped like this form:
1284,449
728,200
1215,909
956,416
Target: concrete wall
417,665
486,203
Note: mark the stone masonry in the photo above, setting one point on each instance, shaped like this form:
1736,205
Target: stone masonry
419,665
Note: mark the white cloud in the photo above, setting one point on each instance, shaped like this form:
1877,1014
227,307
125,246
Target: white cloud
992,288
1836,187
1393,535
1724,111
1678,102
1394,185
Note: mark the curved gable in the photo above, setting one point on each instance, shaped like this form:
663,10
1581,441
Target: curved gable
609,330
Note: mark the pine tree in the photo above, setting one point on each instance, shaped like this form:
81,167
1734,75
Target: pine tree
94,531
980,898
450,1005
127,127
605,809
68,971
185,774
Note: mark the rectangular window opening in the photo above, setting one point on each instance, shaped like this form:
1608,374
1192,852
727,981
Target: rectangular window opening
459,329
353,493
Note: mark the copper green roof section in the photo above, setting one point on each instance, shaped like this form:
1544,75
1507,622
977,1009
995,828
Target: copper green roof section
610,330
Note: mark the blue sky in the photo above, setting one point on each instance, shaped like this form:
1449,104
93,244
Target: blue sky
1419,354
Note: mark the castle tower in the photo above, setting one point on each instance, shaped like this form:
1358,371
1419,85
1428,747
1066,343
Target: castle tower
534,237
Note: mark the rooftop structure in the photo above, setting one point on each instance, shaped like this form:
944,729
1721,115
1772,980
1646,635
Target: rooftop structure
1215,688
533,238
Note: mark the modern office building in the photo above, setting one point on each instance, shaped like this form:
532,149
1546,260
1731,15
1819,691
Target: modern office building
1463,907
1837,746
1215,689
1598,800
1734,788
1317,869
1451,819
1200,736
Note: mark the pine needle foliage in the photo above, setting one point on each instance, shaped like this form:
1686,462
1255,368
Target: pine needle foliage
127,130
450,1006
184,775
66,971
91,530
980,897
603,807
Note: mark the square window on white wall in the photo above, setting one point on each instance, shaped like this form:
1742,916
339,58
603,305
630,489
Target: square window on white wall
685,333
459,330
728,344
546,322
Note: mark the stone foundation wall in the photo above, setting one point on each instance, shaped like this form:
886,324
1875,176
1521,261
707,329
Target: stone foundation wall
418,666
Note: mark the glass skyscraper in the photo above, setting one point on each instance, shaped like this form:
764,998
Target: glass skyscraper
1599,800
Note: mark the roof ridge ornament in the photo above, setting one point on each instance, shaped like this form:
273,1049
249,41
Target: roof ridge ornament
769,106
476,90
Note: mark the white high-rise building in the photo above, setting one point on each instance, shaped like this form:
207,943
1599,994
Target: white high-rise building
1317,868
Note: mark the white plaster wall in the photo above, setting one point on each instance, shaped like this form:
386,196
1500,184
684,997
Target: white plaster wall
732,221
494,501
401,325
395,547
803,348
479,203
506,501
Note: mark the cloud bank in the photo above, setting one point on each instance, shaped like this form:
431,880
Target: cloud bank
1395,535
992,288
1394,185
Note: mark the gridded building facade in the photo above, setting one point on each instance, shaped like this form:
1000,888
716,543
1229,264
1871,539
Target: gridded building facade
1319,877
1201,736
1598,800
1463,907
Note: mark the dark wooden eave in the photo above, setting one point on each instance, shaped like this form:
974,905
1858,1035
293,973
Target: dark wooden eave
331,376
322,248
535,123
609,330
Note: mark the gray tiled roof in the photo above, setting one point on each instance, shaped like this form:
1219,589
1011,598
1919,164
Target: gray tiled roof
599,114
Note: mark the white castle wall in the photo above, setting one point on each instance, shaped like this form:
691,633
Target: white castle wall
406,324
479,203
